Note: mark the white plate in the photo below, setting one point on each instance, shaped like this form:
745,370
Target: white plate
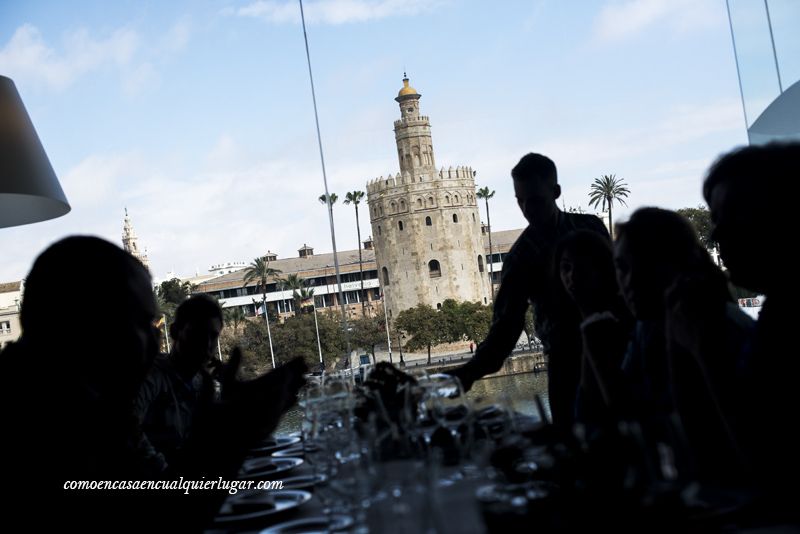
311,525
274,502
275,444
296,450
266,468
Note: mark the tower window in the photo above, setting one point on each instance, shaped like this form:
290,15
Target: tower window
410,110
455,218
419,202
385,273
430,201
438,305
473,217
480,263
400,225
428,221
447,199
379,230
402,205
456,199
393,207
434,269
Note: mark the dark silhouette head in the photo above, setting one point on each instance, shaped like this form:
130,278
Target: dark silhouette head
584,263
195,331
536,188
652,250
749,192
102,345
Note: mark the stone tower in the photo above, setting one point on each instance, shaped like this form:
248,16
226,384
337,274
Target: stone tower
425,222
131,243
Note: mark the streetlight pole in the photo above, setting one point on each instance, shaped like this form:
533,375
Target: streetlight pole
400,345
269,332
319,345
386,322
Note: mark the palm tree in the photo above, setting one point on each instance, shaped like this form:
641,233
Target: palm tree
301,295
298,287
607,189
355,197
260,271
234,317
485,194
323,198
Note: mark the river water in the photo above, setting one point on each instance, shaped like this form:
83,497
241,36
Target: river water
518,389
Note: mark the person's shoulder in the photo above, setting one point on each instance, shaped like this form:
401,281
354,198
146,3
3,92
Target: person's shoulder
161,368
523,247
586,221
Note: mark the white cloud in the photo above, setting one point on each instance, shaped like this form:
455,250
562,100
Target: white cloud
30,58
331,11
27,55
620,20
95,179
177,37
225,151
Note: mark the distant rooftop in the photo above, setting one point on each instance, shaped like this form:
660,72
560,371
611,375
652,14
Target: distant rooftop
9,287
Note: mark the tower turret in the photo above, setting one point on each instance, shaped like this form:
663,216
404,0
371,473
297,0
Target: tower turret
412,134
131,243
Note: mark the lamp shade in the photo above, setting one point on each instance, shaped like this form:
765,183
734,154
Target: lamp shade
29,189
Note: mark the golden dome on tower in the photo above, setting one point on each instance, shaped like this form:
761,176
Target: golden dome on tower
407,89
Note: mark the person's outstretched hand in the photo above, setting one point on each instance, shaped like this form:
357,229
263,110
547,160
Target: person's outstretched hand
463,376
260,402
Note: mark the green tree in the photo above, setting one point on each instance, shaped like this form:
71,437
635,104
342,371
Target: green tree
255,341
528,326
425,326
369,332
233,317
452,321
165,308
300,290
465,320
174,291
260,272
485,194
297,336
477,319
606,190
700,218
354,198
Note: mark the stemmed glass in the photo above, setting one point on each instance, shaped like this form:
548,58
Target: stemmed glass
417,415
451,408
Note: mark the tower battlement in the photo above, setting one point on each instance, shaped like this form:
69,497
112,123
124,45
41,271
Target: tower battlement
421,120
389,182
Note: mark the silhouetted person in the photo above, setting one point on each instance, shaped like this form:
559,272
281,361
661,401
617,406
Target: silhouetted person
528,278
751,194
179,389
680,394
585,265
68,404
76,370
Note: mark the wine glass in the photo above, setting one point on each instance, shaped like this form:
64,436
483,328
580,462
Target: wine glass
417,415
451,408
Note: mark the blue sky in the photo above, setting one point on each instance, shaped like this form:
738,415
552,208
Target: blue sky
197,115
